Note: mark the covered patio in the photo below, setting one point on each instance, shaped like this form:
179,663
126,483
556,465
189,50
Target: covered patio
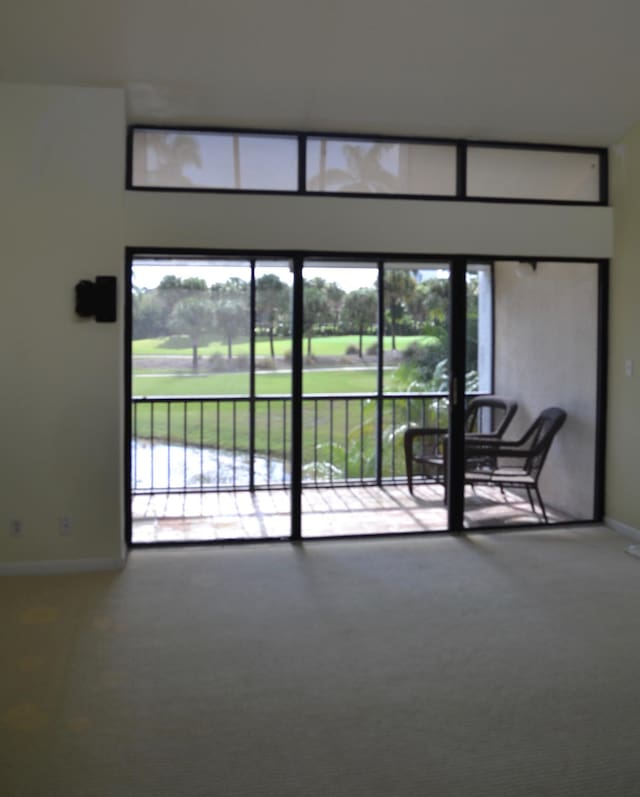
326,512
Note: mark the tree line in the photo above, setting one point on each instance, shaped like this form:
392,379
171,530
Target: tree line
188,306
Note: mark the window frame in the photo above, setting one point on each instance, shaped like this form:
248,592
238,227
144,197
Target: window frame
461,148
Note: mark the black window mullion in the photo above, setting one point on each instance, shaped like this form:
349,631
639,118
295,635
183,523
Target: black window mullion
604,178
601,391
461,170
302,163
380,385
296,401
252,376
457,356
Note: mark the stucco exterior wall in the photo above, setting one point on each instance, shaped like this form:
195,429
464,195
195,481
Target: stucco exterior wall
546,355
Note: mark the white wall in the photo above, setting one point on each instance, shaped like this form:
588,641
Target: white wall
66,217
61,191
546,329
373,225
623,425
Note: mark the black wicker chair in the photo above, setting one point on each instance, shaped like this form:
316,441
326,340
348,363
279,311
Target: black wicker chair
424,446
524,457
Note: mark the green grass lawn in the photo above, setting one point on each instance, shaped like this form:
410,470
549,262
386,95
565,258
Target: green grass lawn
335,434
333,346
269,383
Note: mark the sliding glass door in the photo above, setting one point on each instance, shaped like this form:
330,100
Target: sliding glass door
304,397
375,365
211,413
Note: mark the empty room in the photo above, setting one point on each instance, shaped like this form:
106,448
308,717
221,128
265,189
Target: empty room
320,396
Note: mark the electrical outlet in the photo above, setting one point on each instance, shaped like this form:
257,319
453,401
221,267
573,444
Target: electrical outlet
15,527
64,525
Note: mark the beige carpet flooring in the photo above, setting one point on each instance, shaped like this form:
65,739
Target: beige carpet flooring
478,665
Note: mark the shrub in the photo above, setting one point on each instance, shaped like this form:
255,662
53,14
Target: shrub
372,350
176,342
218,363
265,364
351,349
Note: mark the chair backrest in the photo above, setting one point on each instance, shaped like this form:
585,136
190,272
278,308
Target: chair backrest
541,434
501,412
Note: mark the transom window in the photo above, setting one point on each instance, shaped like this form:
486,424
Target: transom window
185,159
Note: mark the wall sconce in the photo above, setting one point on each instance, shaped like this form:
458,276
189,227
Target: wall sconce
97,299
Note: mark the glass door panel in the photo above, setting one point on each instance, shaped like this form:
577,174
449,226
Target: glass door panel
272,420
415,377
190,376
374,350
211,398
339,386
545,354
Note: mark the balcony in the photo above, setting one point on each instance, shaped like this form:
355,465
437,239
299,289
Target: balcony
220,344
200,474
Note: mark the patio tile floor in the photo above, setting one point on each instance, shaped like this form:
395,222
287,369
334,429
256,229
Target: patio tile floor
326,512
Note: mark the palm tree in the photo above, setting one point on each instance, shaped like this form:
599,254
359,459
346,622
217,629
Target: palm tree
272,302
172,151
364,172
314,306
231,309
359,311
399,286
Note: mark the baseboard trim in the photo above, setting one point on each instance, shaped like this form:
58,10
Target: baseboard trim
622,528
58,566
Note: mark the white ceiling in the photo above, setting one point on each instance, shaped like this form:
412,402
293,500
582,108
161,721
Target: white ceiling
525,70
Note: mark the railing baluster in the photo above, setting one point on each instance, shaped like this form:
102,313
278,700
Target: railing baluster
362,406
153,481
168,445
330,440
284,435
184,443
217,445
315,441
134,440
201,445
346,439
332,417
234,441
392,435
269,442
407,422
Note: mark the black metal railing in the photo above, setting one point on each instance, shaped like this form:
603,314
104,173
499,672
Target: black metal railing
207,444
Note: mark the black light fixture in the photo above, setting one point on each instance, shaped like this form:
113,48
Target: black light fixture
97,299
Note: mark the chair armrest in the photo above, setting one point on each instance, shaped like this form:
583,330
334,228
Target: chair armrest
496,448
424,431
480,436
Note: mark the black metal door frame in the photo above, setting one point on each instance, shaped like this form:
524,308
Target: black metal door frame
457,357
